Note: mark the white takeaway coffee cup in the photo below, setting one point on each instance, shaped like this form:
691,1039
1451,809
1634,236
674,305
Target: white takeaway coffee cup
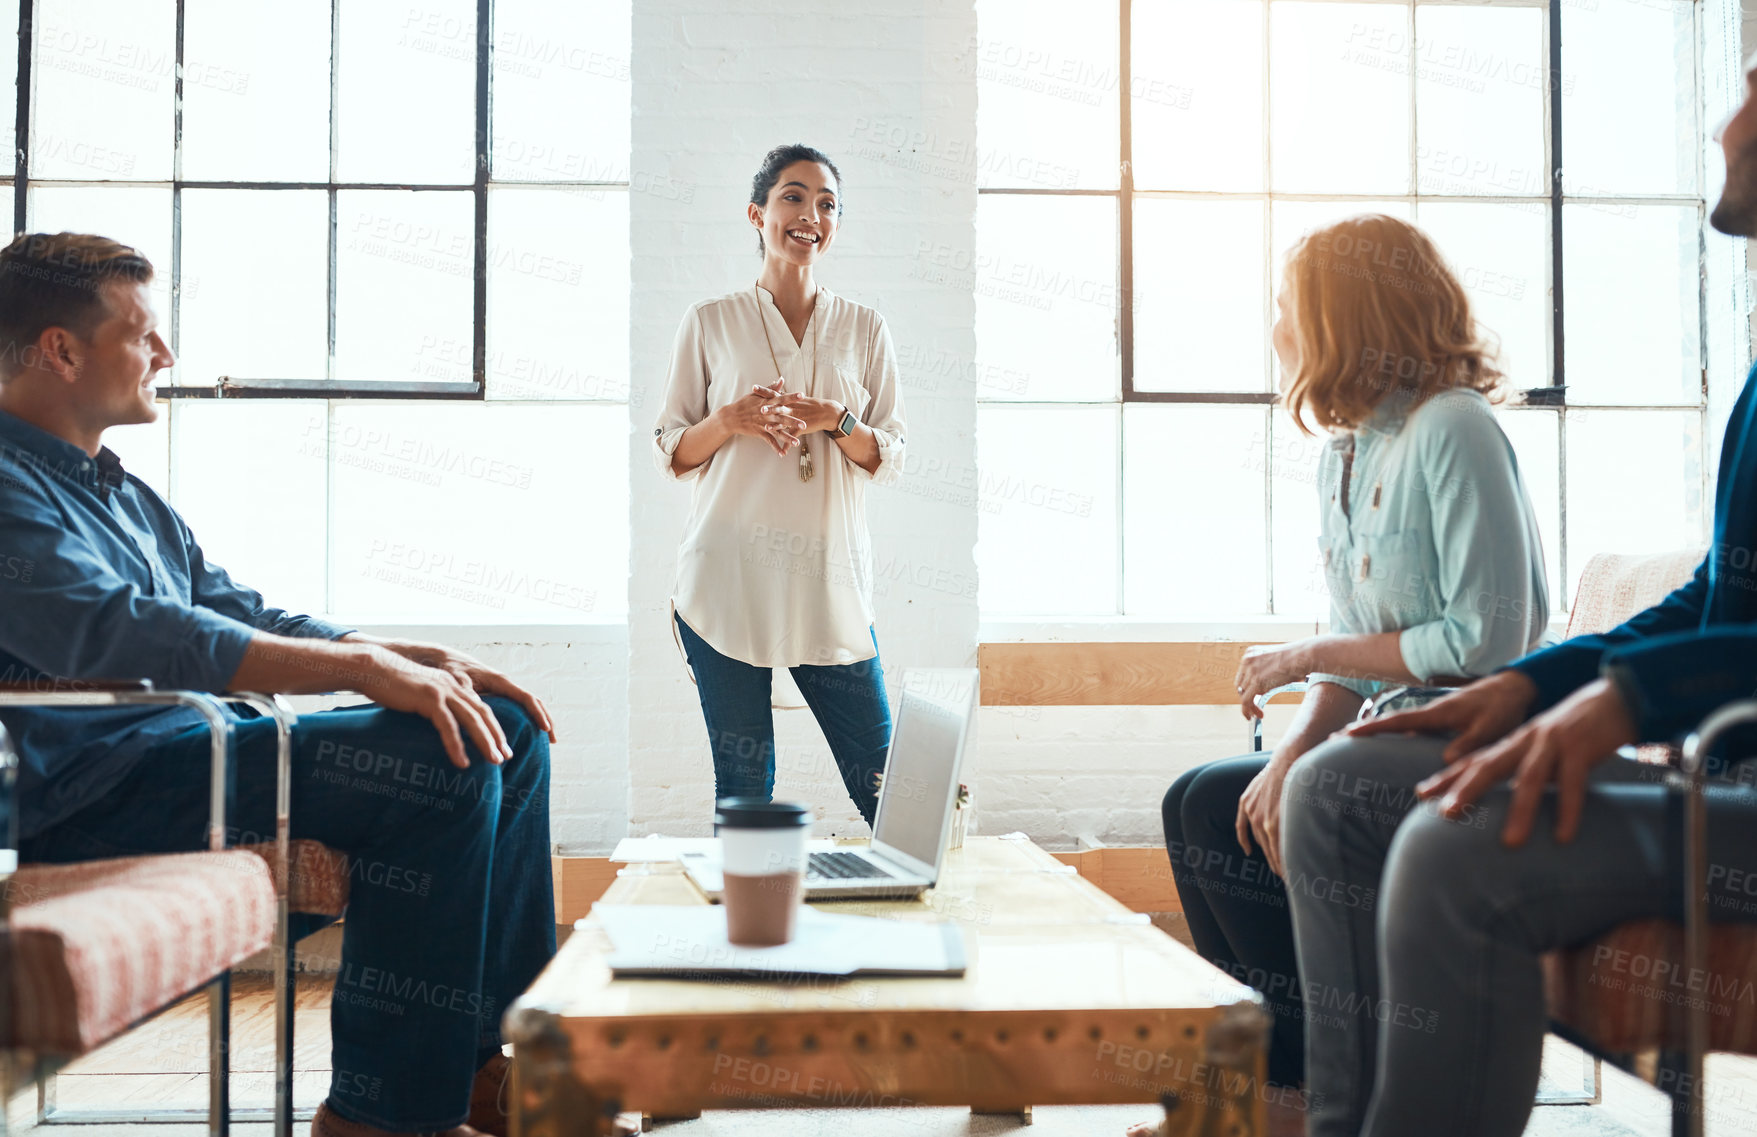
764,867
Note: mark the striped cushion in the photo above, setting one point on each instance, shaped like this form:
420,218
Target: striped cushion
1615,586
101,944
319,877
1626,991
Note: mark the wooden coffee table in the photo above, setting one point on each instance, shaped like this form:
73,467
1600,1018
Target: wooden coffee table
1070,998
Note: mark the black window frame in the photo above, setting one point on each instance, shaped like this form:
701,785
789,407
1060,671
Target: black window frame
1549,396
331,387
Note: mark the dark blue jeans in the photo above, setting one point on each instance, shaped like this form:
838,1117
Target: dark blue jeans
450,912
1234,904
847,700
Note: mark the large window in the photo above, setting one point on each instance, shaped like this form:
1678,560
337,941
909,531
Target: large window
1146,166
352,205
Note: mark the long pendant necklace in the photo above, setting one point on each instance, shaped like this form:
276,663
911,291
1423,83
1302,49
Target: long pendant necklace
805,470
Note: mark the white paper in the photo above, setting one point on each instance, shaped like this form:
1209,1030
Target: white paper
643,850
651,939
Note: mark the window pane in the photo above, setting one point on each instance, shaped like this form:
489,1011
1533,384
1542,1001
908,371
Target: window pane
1501,254
1536,445
1480,77
557,296
1629,98
404,263
1193,554
231,457
406,89
1632,303
561,91
256,91
9,87
1048,482
1197,89
1339,97
1298,578
1292,220
1200,303
135,215
1044,275
244,314
1046,95
449,511
104,77
1634,483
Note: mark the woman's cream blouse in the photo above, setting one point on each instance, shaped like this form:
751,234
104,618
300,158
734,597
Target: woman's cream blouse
772,570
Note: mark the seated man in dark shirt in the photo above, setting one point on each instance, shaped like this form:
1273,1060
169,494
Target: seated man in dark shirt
1421,928
440,790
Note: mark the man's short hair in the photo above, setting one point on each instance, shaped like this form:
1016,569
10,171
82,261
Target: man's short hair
56,281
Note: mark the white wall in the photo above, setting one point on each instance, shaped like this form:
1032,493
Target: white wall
715,86
582,675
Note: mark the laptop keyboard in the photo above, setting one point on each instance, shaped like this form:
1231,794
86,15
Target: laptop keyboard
842,866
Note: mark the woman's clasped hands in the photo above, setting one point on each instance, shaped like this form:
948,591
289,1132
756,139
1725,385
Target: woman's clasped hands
766,414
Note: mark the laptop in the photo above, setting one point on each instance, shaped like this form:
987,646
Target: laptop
914,817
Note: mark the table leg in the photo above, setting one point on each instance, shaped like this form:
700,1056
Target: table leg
1238,1045
549,1099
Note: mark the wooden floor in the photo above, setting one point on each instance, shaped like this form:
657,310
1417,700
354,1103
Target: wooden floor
163,1064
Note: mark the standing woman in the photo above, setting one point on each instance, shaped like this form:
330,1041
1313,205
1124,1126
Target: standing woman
1431,559
782,404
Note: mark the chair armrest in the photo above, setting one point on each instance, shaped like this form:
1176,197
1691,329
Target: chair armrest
53,692
1376,705
1298,686
48,685
1690,779
139,693
276,708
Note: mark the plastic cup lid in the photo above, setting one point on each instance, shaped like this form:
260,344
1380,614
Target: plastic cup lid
755,813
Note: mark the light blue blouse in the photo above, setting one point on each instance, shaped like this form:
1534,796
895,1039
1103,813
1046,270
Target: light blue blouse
1434,537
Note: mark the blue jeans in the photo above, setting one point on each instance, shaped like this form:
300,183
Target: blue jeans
450,913
1234,904
847,700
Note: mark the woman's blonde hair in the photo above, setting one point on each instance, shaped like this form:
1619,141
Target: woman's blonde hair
1378,315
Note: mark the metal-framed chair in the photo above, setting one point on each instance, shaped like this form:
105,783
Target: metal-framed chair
43,1062
1651,996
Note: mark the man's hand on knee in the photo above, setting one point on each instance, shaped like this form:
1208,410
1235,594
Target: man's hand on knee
1559,747
1478,715
467,669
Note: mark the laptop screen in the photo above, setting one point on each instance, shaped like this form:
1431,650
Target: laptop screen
931,719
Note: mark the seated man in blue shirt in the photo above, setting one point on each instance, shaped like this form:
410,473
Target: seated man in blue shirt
1420,930
438,795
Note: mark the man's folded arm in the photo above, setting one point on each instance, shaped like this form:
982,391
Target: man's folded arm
1561,670
69,615
1672,682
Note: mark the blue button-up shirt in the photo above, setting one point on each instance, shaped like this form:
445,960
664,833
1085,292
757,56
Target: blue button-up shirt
101,579
1432,537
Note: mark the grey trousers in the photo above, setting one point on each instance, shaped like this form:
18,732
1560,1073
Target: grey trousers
1419,938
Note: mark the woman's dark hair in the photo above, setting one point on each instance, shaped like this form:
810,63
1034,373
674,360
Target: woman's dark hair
779,159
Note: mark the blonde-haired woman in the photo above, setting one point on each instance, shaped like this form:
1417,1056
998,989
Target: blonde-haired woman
1431,558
